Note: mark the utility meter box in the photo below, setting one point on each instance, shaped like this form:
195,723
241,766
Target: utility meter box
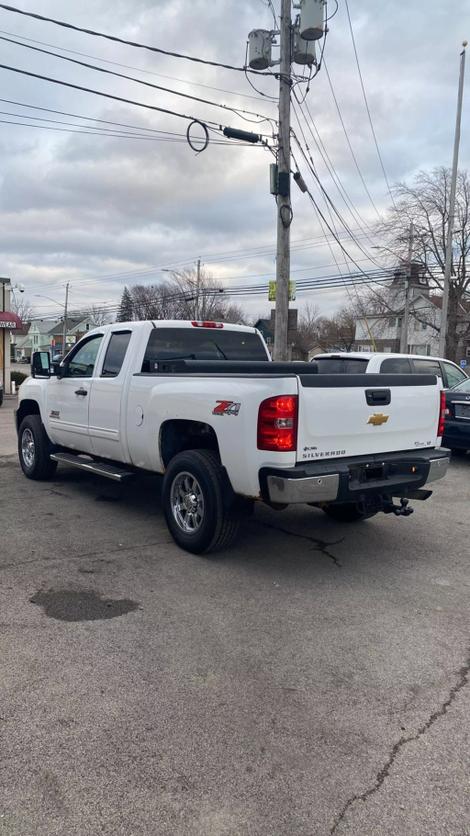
259,49
312,19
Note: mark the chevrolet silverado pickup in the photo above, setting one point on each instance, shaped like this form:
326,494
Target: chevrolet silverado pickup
203,404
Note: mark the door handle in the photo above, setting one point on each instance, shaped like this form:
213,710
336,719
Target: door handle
81,392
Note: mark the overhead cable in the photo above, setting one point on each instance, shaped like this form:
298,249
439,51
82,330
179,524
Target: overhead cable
364,94
96,68
131,67
214,125
351,149
116,39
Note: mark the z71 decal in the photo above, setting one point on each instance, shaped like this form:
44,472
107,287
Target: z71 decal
226,408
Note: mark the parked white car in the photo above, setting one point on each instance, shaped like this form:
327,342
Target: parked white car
368,362
202,404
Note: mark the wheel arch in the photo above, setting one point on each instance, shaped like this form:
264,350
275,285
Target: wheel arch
26,407
178,435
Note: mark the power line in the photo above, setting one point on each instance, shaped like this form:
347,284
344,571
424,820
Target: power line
86,129
328,198
88,118
217,258
327,283
315,204
329,166
367,104
131,67
96,68
328,162
351,150
118,40
213,125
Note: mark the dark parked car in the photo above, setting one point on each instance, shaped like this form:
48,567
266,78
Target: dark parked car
457,426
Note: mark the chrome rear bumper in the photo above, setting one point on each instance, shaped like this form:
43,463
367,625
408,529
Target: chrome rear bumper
349,480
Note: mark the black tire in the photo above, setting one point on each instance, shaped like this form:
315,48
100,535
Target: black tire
214,525
34,449
348,512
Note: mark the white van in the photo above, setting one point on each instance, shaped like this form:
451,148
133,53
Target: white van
360,362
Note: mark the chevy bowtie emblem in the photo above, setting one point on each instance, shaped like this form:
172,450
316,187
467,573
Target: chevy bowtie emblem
378,419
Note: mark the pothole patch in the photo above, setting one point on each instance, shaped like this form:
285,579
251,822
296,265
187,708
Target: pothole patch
81,605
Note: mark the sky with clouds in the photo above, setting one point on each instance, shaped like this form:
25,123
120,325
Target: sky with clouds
101,211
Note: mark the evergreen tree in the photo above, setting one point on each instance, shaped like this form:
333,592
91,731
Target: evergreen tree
125,308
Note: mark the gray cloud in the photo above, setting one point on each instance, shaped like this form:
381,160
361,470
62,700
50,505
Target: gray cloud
76,207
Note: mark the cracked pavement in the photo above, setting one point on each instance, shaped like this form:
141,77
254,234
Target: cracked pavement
313,681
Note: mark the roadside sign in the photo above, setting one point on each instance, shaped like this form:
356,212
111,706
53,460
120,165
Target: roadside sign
272,291
463,364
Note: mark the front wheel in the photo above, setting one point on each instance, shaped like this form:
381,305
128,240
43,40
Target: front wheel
348,512
193,499
34,449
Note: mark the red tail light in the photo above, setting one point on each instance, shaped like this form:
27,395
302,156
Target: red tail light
442,415
277,424
207,324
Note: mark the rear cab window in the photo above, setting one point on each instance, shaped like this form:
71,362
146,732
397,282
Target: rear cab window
396,365
201,344
428,367
341,365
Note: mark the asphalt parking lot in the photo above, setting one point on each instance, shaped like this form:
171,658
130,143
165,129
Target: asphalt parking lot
313,681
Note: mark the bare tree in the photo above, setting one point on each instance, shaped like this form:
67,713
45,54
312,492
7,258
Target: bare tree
21,307
183,296
307,329
426,203
337,333
97,316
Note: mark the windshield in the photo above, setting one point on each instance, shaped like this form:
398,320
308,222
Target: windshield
462,387
201,344
341,365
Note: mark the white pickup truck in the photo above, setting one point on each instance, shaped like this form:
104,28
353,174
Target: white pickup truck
202,404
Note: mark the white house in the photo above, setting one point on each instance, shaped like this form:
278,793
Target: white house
381,331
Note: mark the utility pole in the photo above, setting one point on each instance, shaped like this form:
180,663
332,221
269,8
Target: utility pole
450,228
198,286
64,332
406,312
284,209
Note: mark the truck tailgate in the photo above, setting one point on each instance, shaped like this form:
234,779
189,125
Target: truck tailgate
354,415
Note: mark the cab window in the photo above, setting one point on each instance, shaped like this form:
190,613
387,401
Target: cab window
115,353
396,365
82,362
341,365
428,367
453,374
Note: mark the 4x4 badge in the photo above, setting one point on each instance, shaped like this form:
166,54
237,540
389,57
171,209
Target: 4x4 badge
226,408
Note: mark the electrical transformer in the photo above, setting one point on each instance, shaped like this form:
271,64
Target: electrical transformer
259,49
312,19
304,51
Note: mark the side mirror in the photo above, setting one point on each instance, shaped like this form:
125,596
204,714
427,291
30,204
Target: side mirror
41,364
58,369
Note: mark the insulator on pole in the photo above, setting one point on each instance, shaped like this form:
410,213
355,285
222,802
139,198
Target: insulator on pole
259,49
312,19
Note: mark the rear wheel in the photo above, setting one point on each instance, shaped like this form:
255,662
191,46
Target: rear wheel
34,449
194,502
348,512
